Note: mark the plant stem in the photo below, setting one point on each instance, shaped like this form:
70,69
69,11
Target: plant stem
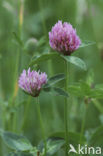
42,16
21,15
26,112
20,25
83,122
97,105
41,125
66,109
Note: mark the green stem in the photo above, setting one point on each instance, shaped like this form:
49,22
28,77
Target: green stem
82,129
21,16
91,22
83,122
0,80
20,25
42,17
26,113
53,102
66,109
3,114
98,105
41,125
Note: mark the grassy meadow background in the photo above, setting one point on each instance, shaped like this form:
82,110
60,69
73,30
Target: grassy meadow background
38,18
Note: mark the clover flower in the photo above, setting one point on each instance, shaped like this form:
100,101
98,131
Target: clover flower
63,38
32,81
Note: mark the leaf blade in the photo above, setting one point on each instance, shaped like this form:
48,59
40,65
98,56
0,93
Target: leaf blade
54,79
43,57
86,44
73,137
56,90
76,61
18,39
53,145
15,142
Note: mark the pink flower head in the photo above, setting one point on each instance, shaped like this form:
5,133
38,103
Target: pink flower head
31,82
63,38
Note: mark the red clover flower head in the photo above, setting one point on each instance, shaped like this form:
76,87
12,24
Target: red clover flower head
32,81
63,38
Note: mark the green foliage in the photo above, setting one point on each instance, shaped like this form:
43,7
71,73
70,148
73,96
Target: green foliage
59,91
17,39
0,56
56,91
15,142
43,57
86,44
76,61
33,45
20,154
96,139
73,138
32,49
53,145
71,59
82,89
54,79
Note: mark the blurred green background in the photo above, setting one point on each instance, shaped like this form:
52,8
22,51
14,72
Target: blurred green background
39,17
